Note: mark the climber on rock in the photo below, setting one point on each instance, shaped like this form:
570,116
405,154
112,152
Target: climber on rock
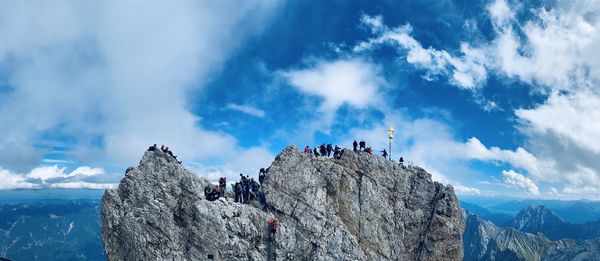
262,174
239,193
153,148
384,153
255,186
273,225
336,152
247,190
211,193
222,186
163,148
307,150
329,150
250,188
355,146
263,200
244,188
316,152
369,150
362,144
234,188
168,151
323,150
401,162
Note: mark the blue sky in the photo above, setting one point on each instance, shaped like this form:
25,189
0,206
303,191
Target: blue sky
498,98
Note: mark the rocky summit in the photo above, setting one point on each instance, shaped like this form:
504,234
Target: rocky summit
358,207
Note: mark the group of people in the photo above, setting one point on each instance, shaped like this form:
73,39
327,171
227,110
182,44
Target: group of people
164,149
246,189
362,146
212,192
325,151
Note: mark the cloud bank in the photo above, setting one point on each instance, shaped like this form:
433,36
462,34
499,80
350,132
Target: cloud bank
103,80
553,51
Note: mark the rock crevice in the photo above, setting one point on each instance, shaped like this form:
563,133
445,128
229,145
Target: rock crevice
359,207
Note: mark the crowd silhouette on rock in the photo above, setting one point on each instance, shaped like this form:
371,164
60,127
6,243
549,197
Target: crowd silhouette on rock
325,151
163,149
247,189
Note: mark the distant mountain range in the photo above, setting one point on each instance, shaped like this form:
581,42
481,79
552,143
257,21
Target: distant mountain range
575,212
499,219
485,241
500,212
58,231
540,219
535,233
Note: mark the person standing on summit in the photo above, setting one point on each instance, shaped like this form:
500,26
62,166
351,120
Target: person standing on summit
262,174
362,145
355,146
329,150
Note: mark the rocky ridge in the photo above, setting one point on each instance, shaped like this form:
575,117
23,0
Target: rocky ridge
359,207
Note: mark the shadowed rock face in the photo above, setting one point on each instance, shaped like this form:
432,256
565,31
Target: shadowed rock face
359,207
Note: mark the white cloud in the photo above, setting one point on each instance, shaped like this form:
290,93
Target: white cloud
501,14
520,158
246,109
84,185
86,171
556,52
520,181
46,172
347,81
574,117
115,76
466,71
467,190
353,82
13,181
553,49
57,177
556,48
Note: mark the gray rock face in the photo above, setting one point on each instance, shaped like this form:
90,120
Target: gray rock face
359,207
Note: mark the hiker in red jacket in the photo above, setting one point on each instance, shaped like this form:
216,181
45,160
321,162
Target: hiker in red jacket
273,225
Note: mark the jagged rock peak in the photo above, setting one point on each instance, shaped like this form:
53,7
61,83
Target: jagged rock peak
536,218
359,207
